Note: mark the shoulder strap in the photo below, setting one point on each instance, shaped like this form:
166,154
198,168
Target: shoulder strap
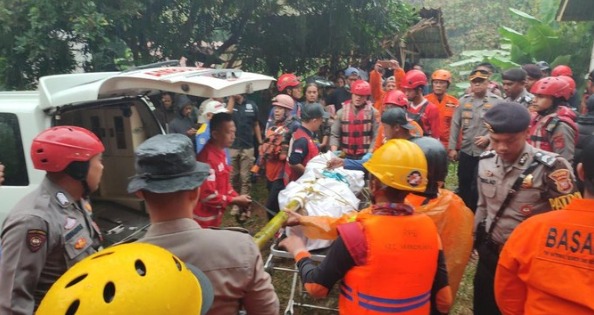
354,239
512,192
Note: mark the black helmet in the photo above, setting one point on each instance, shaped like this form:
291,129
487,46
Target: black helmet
437,163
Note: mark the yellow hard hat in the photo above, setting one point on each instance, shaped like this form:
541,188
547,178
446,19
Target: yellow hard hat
399,164
134,278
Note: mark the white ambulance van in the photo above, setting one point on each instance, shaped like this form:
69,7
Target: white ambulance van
117,107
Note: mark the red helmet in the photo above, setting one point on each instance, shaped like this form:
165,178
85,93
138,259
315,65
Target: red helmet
284,100
443,75
55,148
553,86
414,79
570,81
287,80
562,70
395,97
361,87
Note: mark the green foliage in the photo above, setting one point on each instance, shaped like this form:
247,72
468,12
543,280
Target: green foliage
37,37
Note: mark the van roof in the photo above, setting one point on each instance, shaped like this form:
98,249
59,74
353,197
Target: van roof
64,89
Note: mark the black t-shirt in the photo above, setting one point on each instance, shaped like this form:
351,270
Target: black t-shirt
338,97
245,116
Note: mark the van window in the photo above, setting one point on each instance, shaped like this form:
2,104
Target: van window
11,151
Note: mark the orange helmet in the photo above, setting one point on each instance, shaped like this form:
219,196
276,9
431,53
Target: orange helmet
443,75
287,80
414,79
395,97
562,70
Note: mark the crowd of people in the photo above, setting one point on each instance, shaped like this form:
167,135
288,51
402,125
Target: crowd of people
521,149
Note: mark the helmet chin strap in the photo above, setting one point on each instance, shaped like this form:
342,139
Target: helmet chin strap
86,189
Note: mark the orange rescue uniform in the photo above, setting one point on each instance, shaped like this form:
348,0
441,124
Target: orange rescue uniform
446,107
547,264
377,91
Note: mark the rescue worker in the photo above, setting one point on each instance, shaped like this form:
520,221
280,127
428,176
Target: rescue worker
274,150
419,109
564,71
211,108
515,181
395,125
115,281
355,128
51,229
552,127
446,103
288,84
514,86
467,123
585,124
533,74
217,192
545,266
378,90
303,146
390,255
395,98
168,179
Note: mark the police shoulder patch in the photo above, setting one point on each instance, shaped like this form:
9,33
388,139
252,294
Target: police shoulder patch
36,239
546,159
487,154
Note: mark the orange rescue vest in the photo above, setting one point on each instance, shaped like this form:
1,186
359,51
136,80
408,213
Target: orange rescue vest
400,265
356,129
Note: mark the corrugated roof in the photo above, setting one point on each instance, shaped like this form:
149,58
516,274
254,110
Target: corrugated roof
576,10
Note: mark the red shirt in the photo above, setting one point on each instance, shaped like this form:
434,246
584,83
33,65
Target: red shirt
430,120
216,192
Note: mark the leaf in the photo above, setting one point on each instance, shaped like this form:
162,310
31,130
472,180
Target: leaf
544,43
464,62
526,16
561,60
548,11
502,62
518,39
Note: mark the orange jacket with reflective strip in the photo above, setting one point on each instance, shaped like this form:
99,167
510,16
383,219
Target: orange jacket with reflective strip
547,264
446,107
400,267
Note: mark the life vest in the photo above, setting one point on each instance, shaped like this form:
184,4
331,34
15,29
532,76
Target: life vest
542,128
397,274
273,152
312,151
356,129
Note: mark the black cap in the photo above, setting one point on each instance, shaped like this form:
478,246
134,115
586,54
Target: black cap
396,116
167,163
515,75
507,117
532,70
314,110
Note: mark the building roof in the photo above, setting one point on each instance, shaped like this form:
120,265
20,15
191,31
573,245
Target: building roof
428,37
576,10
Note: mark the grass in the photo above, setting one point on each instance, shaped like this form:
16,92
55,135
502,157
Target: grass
282,280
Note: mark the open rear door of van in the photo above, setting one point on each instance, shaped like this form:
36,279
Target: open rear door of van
76,88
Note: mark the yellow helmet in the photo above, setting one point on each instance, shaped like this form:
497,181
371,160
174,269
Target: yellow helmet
132,278
399,164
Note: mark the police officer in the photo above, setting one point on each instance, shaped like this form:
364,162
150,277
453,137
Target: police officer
515,181
51,229
468,121
514,86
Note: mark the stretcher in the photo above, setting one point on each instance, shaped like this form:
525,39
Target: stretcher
298,297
